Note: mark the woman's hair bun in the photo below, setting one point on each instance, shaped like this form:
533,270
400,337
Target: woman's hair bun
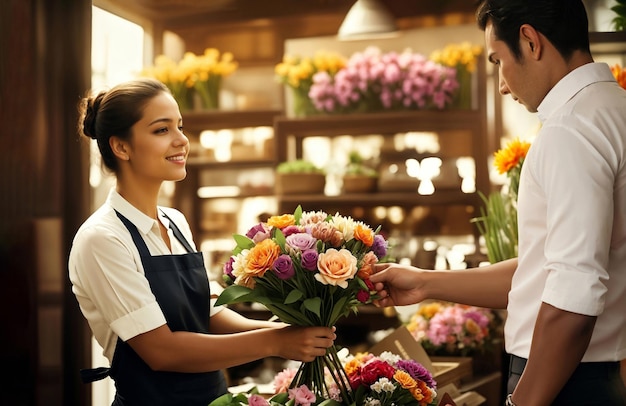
91,105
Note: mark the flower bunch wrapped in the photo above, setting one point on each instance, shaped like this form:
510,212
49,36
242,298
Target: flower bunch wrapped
376,81
620,75
498,220
308,269
453,329
297,73
200,73
463,57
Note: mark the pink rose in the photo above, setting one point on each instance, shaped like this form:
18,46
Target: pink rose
257,400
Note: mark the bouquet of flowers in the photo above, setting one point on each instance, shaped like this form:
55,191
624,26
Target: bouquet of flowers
498,220
308,269
374,81
384,380
297,73
453,329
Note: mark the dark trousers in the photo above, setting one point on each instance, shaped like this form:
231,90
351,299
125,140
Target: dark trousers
592,383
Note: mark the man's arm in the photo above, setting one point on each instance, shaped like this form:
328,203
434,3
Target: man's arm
560,340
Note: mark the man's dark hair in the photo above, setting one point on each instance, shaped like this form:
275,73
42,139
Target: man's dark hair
563,22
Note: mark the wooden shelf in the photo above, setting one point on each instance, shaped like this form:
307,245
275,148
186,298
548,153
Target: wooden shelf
608,42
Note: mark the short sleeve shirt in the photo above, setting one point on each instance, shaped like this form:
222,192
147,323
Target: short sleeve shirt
107,274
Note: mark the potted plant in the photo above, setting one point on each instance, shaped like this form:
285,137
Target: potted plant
299,176
359,177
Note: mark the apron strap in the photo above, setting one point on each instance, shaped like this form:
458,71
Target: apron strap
178,234
94,374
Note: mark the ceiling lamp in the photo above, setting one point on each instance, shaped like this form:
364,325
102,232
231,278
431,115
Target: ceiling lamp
367,19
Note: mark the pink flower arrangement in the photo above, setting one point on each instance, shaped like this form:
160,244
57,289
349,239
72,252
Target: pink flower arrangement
373,81
308,269
453,329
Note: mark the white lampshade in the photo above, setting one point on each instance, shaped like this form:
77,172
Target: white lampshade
365,19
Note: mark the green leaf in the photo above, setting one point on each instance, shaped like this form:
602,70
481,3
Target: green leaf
279,237
338,309
293,296
313,305
297,214
243,242
280,397
224,400
234,294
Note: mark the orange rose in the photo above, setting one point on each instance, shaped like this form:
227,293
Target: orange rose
336,267
261,258
364,234
281,221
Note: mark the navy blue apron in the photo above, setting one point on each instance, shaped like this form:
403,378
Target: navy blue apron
181,288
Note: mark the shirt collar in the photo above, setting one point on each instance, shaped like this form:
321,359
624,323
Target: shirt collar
143,222
571,84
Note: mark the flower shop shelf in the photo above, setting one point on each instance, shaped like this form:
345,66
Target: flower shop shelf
453,126
205,171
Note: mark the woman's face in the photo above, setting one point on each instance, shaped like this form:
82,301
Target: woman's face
158,148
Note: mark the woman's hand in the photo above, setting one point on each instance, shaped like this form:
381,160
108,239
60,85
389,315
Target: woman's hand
304,343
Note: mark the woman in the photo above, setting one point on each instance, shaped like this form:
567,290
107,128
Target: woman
136,274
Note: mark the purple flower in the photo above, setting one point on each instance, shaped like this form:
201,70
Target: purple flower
228,268
417,372
309,259
379,247
301,241
258,233
283,267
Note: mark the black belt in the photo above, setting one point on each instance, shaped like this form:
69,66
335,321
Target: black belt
584,370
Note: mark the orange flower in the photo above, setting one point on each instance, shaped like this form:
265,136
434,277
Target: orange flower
405,380
364,234
507,158
281,221
620,75
368,260
261,258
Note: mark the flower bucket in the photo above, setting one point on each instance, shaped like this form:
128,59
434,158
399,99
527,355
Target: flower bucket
300,183
359,184
302,103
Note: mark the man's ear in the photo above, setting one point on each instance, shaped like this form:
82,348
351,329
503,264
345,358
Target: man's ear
530,41
119,148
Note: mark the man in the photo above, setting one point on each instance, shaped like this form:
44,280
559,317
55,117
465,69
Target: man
566,292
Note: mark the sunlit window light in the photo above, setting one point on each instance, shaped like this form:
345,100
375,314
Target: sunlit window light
218,191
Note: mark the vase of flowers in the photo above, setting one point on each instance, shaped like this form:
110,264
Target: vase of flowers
463,58
308,269
177,77
377,81
297,72
498,218
194,74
